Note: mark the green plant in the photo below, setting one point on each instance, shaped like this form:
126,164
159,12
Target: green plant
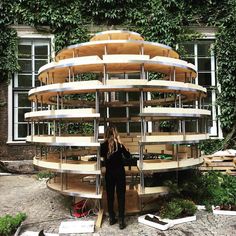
178,208
8,223
211,145
44,175
211,188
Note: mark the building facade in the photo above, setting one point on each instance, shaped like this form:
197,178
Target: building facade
36,49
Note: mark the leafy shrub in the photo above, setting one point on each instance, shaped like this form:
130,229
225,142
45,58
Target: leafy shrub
44,175
211,145
8,223
211,188
178,208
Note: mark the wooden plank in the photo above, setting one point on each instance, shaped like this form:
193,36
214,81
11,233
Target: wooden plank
99,218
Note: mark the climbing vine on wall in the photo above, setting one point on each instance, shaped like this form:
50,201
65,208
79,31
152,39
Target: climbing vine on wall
164,21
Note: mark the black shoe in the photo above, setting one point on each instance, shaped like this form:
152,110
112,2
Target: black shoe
112,221
122,224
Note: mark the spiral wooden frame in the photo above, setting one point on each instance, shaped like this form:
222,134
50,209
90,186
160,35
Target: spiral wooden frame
114,52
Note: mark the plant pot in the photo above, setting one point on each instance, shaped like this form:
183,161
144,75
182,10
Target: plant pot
18,230
169,223
142,220
201,207
217,211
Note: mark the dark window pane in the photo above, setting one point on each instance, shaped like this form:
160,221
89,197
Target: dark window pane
204,64
133,111
204,50
135,127
134,76
134,96
190,60
21,114
37,82
208,99
190,125
39,63
22,130
117,112
41,51
188,49
23,100
24,80
204,79
24,51
121,127
25,65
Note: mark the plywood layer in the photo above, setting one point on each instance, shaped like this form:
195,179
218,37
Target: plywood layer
150,191
63,114
44,93
180,138
169,111
55,72
151,165
75,188
70,166
80,141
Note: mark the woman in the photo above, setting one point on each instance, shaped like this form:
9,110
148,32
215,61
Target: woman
112,150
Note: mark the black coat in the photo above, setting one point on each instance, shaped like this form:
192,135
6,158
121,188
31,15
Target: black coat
115,162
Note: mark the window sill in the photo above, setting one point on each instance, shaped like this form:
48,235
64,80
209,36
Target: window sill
20,142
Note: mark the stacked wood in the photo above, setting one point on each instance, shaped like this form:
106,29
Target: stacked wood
224,161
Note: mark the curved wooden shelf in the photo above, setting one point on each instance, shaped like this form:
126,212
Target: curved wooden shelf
173,138
76,141
75,188
44,93
173,112
150,191
59,71
78,167
120,44
116,34
169,165
65,114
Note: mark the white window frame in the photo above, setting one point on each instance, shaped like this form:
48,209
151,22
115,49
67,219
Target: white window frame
23,32
208,33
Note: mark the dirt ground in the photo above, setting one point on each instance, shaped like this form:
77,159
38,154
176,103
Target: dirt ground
46,209
24,193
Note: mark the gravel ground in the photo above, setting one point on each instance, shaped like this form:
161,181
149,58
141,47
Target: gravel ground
46,209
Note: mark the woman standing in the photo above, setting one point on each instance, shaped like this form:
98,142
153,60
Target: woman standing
112,150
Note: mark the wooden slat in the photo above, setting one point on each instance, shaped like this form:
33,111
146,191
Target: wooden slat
99,218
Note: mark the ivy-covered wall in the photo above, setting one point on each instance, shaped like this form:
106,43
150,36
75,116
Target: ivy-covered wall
164,21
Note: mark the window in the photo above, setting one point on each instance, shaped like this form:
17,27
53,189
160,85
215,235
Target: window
32,54
200,54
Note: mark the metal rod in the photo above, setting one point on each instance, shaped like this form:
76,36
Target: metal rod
127,113
27,128
97,101
38,129
97,184
69,74
59,128
36,103
58,101
174,74
62,102
180,101
52,77
98,159
183,129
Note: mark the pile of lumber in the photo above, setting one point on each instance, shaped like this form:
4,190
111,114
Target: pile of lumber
224,161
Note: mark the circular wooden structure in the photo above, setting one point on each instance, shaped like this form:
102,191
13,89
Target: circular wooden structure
121,92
